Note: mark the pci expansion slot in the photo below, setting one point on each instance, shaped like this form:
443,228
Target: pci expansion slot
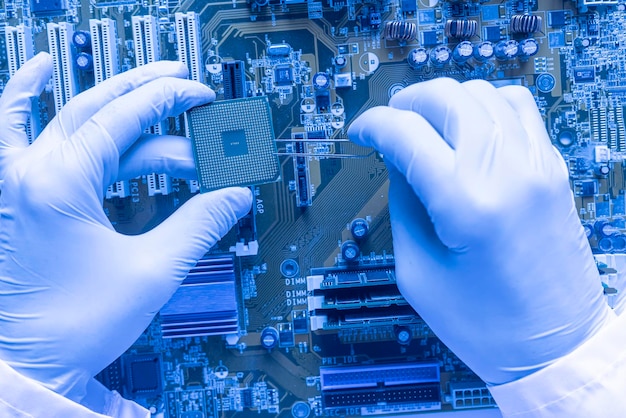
19,45
105,65
104,46
189,45
147,50
64,80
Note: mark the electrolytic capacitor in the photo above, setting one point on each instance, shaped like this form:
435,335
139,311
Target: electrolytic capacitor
440,56
269,337
605,229
417,58
619,243
359,228
84,61
340,61
350,251
581,43
403,335
506,50
81,39
605,244
462,52
483,51
528,47
602,170
321,81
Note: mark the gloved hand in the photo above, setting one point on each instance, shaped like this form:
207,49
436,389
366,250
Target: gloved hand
75,293
489,248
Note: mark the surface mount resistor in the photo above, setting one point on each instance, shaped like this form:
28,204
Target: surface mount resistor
525,23
400,30
461,29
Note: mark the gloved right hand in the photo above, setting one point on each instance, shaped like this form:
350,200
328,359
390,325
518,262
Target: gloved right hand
75,293
489,248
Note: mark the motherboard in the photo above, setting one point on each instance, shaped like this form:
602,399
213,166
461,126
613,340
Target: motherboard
309,322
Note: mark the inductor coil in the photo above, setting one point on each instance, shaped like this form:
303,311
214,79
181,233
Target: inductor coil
525,23
461,29
400,30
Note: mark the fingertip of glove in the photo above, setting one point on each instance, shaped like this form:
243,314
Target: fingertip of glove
194,92
209,93
43,57
172,68
516,93
243,196
442,86
238,199
42,63
362,130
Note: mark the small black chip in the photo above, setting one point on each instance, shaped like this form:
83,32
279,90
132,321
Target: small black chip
48,7
584,75
233,143
430,38
409,6
492,33
557,18
143,374
283,76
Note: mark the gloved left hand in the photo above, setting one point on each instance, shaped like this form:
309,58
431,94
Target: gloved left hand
75,293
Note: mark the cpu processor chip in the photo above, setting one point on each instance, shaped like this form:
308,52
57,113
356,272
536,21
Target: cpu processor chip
233,143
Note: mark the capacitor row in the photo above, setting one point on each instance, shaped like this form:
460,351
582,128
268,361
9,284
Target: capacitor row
82,41
502,51
608,234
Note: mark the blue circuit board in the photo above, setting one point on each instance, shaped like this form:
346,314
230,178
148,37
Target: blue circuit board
309,322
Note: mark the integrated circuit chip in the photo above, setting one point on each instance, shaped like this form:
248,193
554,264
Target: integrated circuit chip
233,142
143,374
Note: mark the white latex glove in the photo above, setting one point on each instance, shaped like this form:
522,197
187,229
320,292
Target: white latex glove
489,248
75,293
